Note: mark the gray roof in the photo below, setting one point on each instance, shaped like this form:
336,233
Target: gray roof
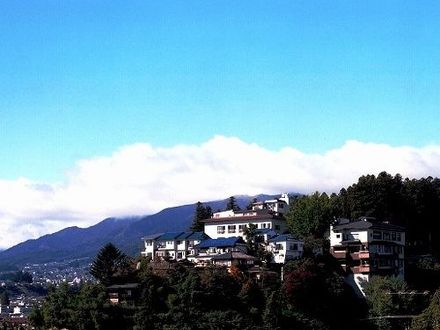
234,256
367,223
170,236
283,238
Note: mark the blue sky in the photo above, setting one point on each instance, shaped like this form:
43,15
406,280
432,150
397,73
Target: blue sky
81,78
113,108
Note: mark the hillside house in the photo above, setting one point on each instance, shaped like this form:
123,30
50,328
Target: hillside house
173,246
367,247
285,248
206,250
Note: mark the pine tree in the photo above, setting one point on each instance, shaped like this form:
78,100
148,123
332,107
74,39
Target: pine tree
201,213
109,261
232,204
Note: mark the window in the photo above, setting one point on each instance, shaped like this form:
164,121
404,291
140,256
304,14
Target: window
241,228
220,229
231,229
377,234
179,242
269,225
293,247
179,255
399,237
279,246
169,242
338,235
277,227
393,235
149,243
386,236
281,205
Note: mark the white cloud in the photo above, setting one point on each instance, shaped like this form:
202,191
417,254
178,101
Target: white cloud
142,179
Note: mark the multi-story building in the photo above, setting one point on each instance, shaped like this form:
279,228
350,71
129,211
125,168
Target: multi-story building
265,215
211,248
285,248
367,247
175,246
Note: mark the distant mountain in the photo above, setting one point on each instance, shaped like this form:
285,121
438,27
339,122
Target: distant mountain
126,233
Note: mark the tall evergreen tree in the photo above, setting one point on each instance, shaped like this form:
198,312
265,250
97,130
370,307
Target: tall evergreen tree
232,204
202,212
109,262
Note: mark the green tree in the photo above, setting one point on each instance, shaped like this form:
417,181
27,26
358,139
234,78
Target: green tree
88,307
272,311
36,318
4,298
232,204
57,308
384,298
254,243
430,318
201,213
310,215
109,263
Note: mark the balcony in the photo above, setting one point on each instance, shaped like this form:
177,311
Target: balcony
360,255
364,254
339,254
361,269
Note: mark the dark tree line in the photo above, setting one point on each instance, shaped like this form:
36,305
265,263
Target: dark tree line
210,298
412,203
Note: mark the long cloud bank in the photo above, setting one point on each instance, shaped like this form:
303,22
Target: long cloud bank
142,179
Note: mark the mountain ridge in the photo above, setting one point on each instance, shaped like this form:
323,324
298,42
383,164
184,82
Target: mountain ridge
125,232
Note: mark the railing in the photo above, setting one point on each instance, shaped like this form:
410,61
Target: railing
339,254
360,255
364,254
361,269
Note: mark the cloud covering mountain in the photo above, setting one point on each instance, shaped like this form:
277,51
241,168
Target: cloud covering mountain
143,179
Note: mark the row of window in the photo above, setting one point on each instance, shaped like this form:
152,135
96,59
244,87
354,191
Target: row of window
386,235
232,229
292,247
386,249
387,263
163,244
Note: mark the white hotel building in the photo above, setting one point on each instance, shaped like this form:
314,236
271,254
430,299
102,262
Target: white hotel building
265,215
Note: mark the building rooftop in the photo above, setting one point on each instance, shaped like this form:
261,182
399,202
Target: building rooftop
190,235
220,242
234,256
283,238
366,223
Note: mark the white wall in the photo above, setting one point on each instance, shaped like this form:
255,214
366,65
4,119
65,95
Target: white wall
211,228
